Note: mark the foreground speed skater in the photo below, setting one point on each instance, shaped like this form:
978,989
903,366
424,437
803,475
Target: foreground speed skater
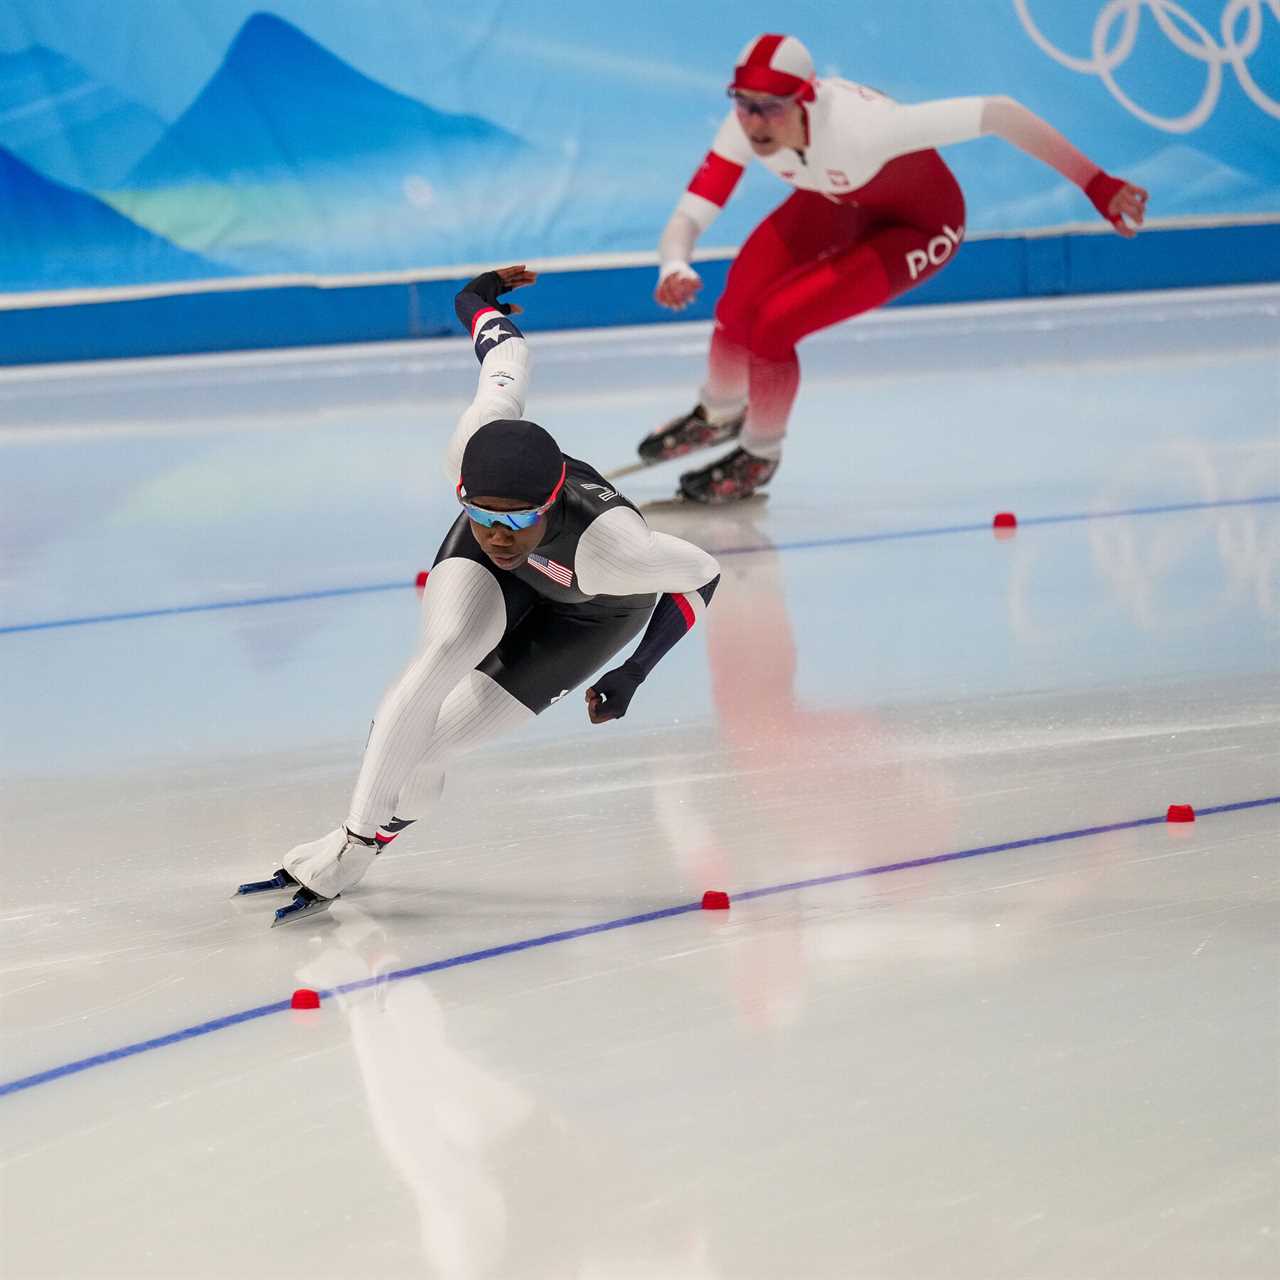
874,213
547,573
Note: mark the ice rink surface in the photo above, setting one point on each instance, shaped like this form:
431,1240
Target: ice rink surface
1050,1058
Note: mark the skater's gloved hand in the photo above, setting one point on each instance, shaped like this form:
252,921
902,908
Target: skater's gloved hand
678,285
489,284
610,696
1123,204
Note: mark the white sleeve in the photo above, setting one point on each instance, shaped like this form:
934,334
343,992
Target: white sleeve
698,210
504,383
675,249
904,129
731,140
1012,121
619,555
708,190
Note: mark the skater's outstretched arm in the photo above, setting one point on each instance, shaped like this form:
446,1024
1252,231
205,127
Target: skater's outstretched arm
620,555
697,209
502,351
1123,204
937,124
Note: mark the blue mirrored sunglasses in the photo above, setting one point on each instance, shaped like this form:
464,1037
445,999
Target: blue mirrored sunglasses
513,520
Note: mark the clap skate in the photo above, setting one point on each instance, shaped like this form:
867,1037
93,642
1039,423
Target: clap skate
735,476
306,902
280,879
687,433
320,870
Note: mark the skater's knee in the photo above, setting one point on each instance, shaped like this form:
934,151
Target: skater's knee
771,340
439,664
458,641
768,337
462,600
733,320
445,655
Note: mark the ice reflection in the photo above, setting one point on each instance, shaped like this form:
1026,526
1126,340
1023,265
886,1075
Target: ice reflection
436,1113
473,1148
807,790
1147,563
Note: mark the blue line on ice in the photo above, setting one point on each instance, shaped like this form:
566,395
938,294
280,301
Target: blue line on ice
846,540
568,935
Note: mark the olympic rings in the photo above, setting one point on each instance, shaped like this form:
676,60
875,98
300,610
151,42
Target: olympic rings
1187,35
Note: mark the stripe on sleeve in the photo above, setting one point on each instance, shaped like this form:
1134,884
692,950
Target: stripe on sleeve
716,179
691,604
480,315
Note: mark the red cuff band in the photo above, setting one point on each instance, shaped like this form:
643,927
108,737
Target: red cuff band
1101,190
480,315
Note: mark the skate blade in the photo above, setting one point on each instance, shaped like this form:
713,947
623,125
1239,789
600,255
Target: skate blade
296,911
678,503
647,464
631,469
280,880
681,503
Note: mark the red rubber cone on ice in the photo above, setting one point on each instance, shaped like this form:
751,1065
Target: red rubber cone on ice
421,580
1180,813
715,900
1004,526
305,998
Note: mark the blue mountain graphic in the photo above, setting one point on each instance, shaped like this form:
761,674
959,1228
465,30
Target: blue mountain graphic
68,125
52,237
289,160
281,104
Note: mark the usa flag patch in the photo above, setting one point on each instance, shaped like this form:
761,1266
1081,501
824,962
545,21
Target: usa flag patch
556,572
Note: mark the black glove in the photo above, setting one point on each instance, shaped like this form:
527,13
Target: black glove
487,286
610,696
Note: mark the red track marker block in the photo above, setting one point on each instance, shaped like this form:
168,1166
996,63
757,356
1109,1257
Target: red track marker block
305,998
421,580
1180,813
1004,526
715,900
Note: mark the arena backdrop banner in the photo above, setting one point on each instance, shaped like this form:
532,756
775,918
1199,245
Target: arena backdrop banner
153,141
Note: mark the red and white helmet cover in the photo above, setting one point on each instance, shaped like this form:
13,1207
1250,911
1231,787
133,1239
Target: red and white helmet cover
775,64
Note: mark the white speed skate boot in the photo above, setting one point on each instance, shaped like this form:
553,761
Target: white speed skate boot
320,871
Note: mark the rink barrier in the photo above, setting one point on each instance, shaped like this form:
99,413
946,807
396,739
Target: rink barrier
808,544
608,926
265,315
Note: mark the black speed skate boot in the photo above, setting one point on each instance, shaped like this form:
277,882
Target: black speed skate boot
737,475
690,431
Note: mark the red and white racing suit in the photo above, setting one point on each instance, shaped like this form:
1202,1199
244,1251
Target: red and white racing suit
875,212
